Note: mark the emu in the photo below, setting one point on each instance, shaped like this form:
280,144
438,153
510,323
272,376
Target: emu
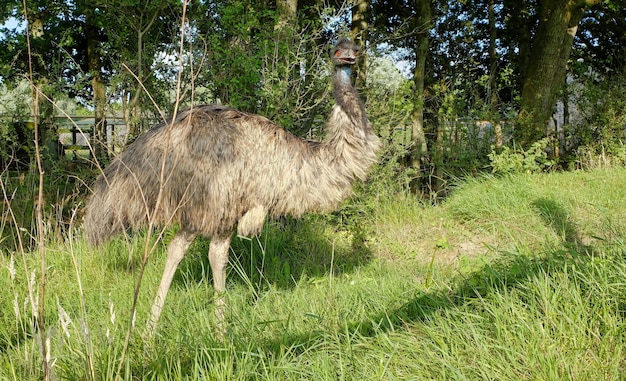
218,169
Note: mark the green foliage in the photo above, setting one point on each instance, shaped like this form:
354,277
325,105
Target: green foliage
525,209
15,135
606,22
280,73
237,53
238,41
516,160
63,191
389,109
600,134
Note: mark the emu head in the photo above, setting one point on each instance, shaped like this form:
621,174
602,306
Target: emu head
345,53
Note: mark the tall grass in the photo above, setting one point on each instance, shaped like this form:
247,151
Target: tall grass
521,277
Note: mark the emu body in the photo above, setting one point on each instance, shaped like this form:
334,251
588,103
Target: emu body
225,169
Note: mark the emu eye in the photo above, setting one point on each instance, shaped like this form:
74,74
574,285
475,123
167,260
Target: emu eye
337,53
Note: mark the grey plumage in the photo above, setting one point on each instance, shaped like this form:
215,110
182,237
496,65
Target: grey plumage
227,169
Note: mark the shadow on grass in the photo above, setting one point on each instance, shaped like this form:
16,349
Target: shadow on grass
286,251
556,217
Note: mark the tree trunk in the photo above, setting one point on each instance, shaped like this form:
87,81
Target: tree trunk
418,139
131,112
132,108
286,13
520,20
494,99
48,137
361,17
94,63
552,44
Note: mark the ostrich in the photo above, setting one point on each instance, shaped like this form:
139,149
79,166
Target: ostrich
224,168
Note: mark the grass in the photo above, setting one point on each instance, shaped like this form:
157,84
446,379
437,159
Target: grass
515,278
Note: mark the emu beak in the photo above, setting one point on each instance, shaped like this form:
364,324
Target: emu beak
348,58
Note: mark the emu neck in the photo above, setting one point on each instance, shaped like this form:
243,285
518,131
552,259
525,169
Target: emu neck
348,100
342,85
344,74
326,175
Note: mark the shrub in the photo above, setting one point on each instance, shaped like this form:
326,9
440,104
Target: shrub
516,160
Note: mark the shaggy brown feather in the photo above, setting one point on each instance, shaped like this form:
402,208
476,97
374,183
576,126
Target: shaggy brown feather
225,168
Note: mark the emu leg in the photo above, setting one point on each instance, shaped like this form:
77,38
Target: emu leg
218,257
175,253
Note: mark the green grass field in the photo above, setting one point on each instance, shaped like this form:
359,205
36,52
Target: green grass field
513,278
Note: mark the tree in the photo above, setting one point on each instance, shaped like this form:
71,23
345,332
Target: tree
286,10
552,44
601,40
418,137
492,87
49,32
361,18
93,38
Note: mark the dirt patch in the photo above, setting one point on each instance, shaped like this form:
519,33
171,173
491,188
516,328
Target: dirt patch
419,241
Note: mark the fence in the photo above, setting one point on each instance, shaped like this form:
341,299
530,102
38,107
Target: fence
76,134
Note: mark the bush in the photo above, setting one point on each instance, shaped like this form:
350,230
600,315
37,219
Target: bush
516,160
598,138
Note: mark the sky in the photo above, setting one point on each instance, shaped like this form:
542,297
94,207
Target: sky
12,22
